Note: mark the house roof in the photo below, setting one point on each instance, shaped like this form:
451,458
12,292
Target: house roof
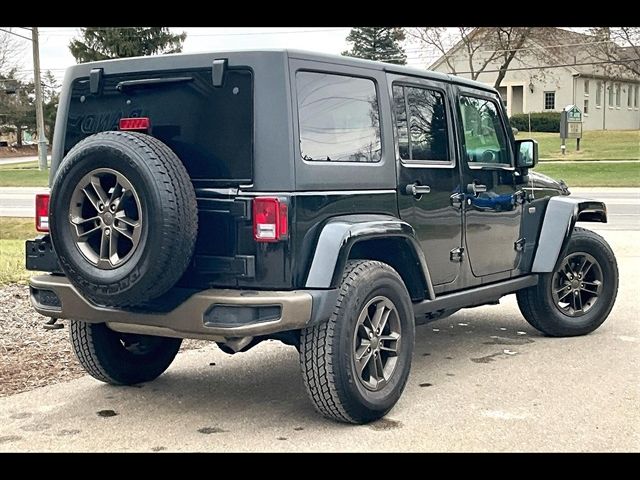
568,48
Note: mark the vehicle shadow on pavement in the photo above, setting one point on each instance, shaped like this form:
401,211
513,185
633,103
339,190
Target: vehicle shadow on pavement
265,384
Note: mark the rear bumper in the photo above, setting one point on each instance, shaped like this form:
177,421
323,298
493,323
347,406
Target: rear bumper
214,314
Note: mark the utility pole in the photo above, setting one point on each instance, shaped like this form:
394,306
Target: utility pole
42,139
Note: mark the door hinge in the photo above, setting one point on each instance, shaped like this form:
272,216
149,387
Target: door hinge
519,244
457,200
456,254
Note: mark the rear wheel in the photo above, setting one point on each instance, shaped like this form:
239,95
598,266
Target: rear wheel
356,365
578,297
121,358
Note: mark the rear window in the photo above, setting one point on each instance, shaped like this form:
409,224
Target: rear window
338,117
210,128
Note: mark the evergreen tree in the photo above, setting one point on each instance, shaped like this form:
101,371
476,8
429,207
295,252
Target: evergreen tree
377,43
102,43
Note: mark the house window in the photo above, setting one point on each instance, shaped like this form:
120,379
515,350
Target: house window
630,92
425,137
610,87
586,87
586,106
549,100
598,94
338,117
618,95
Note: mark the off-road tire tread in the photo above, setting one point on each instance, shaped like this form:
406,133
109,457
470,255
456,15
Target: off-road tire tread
85,337
537,312
316,350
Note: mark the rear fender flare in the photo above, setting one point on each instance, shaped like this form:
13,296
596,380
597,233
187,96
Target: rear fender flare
340,234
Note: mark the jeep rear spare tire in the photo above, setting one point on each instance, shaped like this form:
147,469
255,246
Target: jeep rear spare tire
123,218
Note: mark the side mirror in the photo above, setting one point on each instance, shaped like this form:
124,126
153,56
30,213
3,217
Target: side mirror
526,153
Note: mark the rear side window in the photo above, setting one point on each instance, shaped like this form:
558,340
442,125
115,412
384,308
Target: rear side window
422,134
339,118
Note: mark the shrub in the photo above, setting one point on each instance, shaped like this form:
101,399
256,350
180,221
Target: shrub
540,122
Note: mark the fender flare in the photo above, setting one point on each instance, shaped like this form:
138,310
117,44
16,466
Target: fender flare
560,217
339,235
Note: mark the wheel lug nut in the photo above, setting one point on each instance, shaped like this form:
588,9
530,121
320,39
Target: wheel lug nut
576,292
369,350
112,207
582,285
101,207
107,231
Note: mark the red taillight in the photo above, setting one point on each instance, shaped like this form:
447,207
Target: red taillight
42,212
270,222
136,124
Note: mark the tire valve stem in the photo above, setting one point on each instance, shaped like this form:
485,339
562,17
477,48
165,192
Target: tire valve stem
52,325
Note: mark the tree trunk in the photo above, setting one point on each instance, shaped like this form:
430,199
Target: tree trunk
18,136
500,77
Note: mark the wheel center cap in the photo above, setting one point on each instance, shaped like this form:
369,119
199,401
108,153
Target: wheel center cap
575,284
107,218
375,342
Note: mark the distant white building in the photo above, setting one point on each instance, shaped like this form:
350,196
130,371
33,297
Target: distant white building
608,101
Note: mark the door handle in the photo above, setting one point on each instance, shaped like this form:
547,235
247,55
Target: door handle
476,188
416,189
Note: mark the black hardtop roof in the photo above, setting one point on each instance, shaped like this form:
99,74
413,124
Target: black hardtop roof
298,54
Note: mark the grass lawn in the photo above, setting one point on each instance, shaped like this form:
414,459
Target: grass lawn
594,145
13,233
23,175
593,174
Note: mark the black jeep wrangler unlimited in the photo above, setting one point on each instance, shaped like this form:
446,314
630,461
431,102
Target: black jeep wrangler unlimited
328,202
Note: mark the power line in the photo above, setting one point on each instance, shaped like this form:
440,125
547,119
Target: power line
16,34
279,32
556,66
541,47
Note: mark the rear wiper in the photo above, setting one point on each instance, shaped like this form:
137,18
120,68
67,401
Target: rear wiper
150,82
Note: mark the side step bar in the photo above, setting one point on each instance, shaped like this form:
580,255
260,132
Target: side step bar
474,296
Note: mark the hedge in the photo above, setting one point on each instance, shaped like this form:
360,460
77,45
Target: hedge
540,122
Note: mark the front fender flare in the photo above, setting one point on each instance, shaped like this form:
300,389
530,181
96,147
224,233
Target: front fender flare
561,216
340,234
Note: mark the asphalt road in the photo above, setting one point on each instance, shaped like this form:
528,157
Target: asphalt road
482,380
623,203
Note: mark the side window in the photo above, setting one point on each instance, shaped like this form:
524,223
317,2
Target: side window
339,118
422,134
484,137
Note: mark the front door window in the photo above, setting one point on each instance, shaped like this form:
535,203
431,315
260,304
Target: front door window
484,138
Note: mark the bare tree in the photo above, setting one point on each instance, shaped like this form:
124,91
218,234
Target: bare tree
11,51
482,48
618,45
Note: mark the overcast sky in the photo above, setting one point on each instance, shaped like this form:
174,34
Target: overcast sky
55,55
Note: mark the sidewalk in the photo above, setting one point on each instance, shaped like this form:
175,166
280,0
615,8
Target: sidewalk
11,160
588,161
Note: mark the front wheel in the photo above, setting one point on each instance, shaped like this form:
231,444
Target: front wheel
578,297
355,365
121,358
